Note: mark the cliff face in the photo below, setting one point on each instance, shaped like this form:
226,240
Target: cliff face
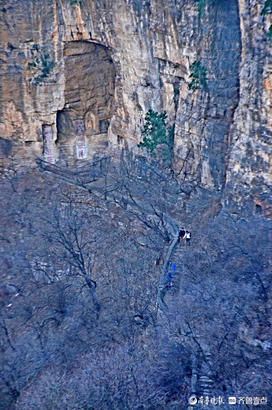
96,273
78,76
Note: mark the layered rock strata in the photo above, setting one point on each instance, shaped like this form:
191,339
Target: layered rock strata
77,78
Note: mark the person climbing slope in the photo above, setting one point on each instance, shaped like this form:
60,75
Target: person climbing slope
182,234
188,237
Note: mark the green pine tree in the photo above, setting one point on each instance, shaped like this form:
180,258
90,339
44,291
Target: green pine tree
156,131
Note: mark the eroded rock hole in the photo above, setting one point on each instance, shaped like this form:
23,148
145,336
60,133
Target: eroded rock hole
258,209
89,95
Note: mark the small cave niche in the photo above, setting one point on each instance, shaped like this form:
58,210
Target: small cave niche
121,142
258,209
83,124
103,126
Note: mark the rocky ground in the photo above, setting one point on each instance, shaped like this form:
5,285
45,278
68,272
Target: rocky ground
89,318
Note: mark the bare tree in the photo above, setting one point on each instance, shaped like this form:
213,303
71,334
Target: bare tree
86,256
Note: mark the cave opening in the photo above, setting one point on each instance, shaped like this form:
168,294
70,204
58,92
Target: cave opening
258,209
83,124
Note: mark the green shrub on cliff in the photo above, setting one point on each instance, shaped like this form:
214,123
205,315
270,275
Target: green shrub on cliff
267,9
201,7
269,33
201,4
198,76
42,65
156,132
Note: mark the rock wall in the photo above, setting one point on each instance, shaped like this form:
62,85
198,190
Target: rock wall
249,163
90,70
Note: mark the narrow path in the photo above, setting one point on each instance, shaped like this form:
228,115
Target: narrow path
163,285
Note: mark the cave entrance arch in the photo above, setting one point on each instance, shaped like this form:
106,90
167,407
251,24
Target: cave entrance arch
89,100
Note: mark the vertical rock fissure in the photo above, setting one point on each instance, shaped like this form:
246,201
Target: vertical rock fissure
222,60
236,105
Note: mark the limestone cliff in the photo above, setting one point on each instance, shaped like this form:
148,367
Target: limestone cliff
78,77
106,301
